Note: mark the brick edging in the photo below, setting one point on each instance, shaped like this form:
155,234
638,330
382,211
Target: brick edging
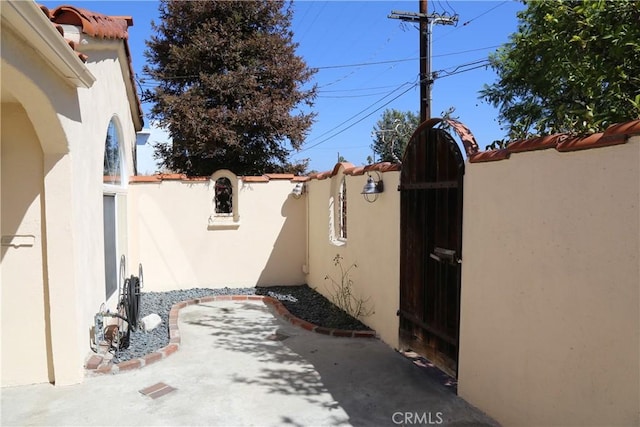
98,365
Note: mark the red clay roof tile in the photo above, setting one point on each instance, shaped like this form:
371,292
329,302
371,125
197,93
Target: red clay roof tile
355,171
489,156
537,143
615,134
96,25
93,24
255,178
280,175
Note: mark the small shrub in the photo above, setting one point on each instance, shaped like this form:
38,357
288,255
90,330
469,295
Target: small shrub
341,291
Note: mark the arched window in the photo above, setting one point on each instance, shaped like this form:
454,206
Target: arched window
113,164
114,180
338,209
342,209
224,200
223,196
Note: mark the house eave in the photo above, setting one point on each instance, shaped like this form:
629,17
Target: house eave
26,19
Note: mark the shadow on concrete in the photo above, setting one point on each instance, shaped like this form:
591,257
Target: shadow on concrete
365,378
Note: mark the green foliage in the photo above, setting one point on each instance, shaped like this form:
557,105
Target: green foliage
229,85
573,66
342,291
393,130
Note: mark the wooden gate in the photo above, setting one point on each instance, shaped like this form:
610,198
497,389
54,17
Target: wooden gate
431,244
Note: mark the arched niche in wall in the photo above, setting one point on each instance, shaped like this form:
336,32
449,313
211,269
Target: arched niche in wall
224,203
338,208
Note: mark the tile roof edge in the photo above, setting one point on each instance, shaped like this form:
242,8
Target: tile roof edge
489,156
260,178
102,26
352,170
618,133
166,177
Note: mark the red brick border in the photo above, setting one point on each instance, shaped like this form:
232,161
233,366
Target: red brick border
96,364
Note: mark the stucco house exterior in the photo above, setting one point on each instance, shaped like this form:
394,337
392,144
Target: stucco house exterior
547,268
67,87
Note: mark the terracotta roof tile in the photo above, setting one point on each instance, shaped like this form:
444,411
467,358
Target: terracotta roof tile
350,169
582,142
345,165
355,171
262,178
166,177
183,177
96,25
489,156
144,178
92,24
537,143
383,167
615,134
279,175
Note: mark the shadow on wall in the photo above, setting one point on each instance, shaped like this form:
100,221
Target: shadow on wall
22,181
289,248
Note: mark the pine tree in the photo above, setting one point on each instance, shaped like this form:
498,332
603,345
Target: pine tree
229,86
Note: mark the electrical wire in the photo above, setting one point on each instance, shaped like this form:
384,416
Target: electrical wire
143,80
361,111
471,20
358,121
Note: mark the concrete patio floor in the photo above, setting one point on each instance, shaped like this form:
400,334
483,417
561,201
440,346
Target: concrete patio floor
239,365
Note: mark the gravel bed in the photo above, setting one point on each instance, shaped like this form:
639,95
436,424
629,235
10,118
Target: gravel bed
301,301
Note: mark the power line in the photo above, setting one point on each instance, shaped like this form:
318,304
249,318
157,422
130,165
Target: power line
362,64
464,71
480,64
426,21
358,121
484,13
365,95
464,24
360,112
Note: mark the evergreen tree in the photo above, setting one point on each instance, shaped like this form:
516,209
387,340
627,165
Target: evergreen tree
229,86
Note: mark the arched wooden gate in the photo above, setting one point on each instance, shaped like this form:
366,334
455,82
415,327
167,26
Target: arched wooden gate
431,244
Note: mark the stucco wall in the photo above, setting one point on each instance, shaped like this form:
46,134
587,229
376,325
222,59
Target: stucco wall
53,135
106,100
23,287
373,241
550,287
170,235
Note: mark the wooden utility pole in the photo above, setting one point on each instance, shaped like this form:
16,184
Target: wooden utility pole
426,23
425,64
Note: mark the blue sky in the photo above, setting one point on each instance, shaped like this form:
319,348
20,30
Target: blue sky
338,37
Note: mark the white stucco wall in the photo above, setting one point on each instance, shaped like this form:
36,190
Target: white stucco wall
550,287
23,288
105,100
171,236
55,124
373,244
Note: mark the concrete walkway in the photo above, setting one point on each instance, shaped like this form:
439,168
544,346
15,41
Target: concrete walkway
239,365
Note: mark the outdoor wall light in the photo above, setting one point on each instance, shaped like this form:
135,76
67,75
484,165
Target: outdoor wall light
298,190
372,188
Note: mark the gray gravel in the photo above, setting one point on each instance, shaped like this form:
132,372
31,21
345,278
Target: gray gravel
301,301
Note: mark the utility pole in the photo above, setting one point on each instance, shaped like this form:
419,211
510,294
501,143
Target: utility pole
426,23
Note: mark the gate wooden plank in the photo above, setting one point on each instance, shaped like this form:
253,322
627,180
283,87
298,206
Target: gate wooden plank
431,216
